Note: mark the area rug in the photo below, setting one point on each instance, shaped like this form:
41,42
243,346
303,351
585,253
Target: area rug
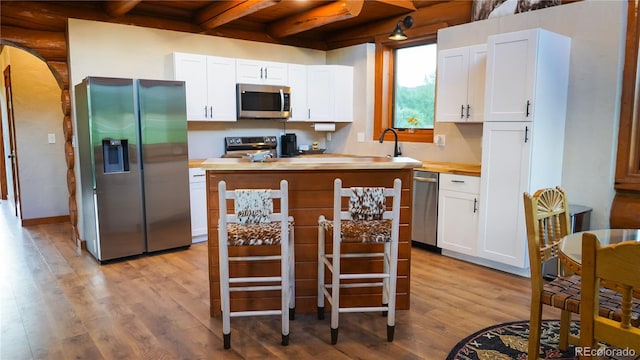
510,341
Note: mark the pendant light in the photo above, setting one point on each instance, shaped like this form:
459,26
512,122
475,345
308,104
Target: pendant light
398,34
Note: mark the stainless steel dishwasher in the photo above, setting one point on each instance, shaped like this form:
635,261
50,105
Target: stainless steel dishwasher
425,209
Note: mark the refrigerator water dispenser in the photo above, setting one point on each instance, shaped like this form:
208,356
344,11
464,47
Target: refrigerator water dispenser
115,153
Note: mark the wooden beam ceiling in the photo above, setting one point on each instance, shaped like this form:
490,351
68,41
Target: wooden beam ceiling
320,16
219,14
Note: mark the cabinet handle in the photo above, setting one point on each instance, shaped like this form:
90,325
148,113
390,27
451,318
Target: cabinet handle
526,134
468,111
309,113
528,103
458,181
261,73
205,112
266,76
198,175
461,111
475,205
211,111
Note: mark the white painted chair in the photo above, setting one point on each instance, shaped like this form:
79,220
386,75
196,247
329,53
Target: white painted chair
253,223
367,220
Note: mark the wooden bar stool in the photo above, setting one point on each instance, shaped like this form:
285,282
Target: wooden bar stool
253,223
367,220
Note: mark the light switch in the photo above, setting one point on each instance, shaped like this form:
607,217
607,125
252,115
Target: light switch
52,138
439,140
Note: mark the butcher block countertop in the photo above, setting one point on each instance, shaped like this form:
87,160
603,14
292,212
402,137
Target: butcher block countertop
326,162
337,161
450,168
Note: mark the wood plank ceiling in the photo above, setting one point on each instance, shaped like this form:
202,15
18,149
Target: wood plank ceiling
316,24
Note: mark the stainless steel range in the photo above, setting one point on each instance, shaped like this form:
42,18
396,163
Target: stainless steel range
254,147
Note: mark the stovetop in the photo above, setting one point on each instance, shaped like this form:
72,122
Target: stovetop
238,146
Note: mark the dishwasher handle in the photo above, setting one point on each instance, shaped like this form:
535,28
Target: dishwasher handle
422,179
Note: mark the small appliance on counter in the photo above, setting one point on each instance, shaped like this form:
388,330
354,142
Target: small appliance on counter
289,145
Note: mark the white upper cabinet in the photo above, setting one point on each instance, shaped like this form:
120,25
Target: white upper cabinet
298,84
329,93
261,72
519,65
210,86
461,83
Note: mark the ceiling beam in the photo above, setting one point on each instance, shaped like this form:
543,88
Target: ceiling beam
220,13
404,4
120,7
322,15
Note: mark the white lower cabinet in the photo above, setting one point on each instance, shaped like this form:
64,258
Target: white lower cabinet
198,196
458,198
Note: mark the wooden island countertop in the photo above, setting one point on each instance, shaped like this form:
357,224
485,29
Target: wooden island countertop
310,181
308,162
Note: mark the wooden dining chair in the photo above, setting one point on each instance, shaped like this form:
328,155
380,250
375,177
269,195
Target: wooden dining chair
367,220
547,220
617,264
254,223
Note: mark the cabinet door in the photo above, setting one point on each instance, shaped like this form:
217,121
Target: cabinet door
506,154
261,72
342,90
198,197
511,61
458,221
319,95
476,83
275,73
298,85
451,99
192,69
249,72
221,88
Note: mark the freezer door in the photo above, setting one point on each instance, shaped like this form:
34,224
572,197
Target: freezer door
165,163
118,191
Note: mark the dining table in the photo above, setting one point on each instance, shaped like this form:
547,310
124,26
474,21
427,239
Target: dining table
571,245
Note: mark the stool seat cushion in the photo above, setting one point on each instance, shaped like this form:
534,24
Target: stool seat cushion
362,231
255,234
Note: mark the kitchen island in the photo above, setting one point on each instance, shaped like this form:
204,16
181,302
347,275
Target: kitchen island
310,195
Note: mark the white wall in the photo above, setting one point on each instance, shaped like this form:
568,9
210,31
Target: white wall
37,112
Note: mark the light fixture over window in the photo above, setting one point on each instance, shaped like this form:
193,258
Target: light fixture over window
398,34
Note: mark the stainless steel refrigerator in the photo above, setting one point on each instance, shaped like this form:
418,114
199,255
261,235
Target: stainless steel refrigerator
134,167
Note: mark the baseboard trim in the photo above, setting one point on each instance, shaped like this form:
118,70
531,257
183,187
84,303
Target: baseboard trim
46,220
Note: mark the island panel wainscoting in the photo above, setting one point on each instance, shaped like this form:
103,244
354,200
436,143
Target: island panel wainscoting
310,195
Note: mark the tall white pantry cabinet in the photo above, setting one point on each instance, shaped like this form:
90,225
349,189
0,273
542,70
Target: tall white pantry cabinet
523,135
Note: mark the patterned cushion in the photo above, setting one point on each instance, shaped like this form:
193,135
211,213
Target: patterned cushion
253,206
365,231
367,203
564,293
255,234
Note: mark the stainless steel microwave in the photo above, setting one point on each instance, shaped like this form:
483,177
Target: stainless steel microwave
263,101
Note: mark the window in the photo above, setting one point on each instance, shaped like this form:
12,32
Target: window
405,87
414,87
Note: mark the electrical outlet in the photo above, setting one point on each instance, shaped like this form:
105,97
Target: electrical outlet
439,140
328,136
360,137
51,137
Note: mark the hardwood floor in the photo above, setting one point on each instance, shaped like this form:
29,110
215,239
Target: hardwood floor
57,303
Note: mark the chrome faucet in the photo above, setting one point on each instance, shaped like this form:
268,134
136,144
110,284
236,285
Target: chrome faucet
396,150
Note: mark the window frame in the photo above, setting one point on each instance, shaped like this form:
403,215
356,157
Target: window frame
384,86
